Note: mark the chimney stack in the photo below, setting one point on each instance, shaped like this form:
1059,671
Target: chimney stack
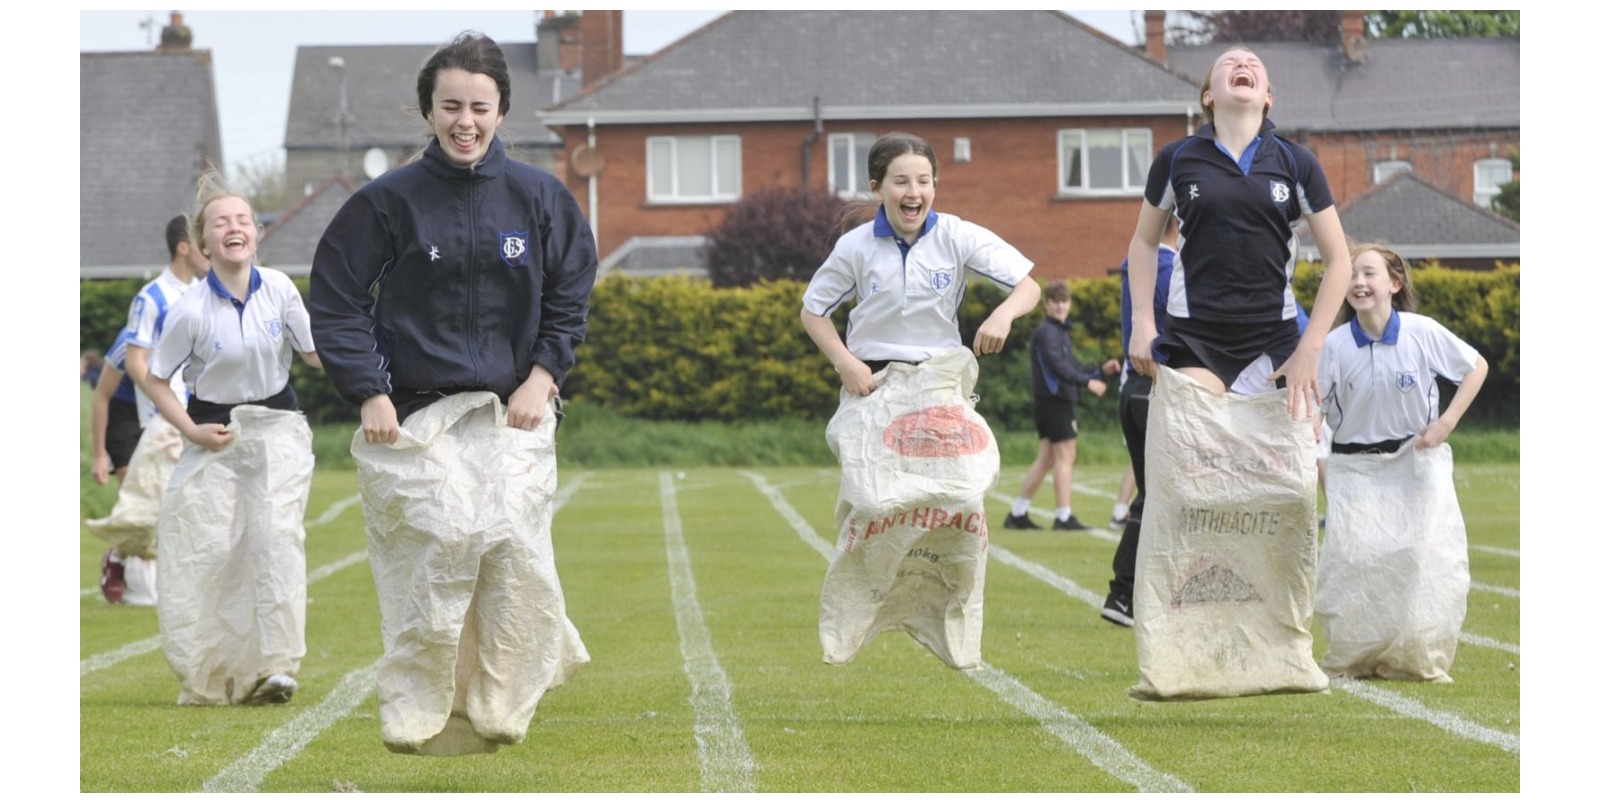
1155,35
176,37
600,34
1352,35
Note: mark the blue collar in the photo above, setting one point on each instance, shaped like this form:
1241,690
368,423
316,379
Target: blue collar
1391,331
881,226
222,291
1248,157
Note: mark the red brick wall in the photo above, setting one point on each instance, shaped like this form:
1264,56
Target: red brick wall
1443,159
1009,186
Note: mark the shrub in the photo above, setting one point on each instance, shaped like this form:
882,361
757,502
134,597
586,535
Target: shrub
775,233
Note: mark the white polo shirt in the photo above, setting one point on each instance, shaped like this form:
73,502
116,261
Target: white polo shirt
231,351
909,296
1383,389
146,316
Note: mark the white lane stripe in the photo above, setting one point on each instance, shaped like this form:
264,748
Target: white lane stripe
101,661
1484,641
1387,699
282,744
1450,723
726,764
1499,551
1101,750
1098,533
1500,590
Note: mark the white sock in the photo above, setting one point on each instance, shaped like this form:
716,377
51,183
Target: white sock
1021,506
1119,511
1063,513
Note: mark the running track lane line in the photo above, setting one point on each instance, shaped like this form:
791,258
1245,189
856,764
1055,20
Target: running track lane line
1101,750
282,744
1391,700
726,764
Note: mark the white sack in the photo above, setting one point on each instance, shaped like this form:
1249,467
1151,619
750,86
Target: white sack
232,537
916,461
1225,575
475,626
131,525
1392,580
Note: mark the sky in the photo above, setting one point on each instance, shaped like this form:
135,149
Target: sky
253,52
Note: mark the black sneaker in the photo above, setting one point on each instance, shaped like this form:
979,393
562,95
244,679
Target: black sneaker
1117,523
1118,611
1021,522
1071,523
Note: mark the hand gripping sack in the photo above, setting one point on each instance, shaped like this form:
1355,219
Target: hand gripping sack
1392,578
232,546
131,525
916,460
475,626
1226,569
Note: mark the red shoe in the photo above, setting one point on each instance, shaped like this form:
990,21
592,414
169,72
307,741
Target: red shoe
112,583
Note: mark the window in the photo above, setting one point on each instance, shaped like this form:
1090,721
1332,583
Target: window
1487,175
1384,169
693,169
1103,161
847,163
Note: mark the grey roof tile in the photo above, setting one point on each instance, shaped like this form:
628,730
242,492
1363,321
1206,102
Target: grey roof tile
1405,209
292,240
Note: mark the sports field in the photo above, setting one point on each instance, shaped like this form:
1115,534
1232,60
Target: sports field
697,595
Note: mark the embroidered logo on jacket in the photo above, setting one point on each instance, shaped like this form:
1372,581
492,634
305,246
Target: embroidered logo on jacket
942,279
275,328
1406,381
514,248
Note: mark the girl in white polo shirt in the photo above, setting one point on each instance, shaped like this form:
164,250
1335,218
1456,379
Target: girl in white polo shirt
1392,576
232,600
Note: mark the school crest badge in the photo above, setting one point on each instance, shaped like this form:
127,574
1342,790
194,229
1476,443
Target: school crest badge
275,328
1405,381
514,249
1280,192
942,279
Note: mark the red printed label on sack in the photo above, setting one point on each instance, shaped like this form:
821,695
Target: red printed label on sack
938,432
926,518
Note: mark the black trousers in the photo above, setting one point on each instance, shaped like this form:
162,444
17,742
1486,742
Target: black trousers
1133,408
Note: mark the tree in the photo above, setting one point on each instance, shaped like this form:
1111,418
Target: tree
1442,24
1216,27
1508,202
775,233
263,183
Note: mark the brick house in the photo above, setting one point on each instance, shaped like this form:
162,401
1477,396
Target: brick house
147,128
1011,101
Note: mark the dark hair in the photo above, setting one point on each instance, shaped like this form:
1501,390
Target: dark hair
891,146
1057,291
470,51
1399,272
177,231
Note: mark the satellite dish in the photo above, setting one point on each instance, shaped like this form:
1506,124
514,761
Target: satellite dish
587,161
375,162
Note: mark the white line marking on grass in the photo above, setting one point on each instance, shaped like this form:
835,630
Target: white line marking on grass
1450,723
1499,551
1500,590
1101,750
726,764
282,744
1097,533
103,660
1484,641
1064,585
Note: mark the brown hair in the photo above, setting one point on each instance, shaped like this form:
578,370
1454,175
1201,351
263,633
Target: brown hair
1205,85
1057,291
470,51
1399,272
212,187
891,146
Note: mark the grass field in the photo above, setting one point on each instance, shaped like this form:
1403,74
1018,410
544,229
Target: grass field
696,593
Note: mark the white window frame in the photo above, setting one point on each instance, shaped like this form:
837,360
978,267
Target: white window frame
1484,188
721,190
861,184
1384,169
1079,137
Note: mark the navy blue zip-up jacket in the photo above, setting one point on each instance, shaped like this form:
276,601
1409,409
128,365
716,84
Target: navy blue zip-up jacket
1056,371
437,278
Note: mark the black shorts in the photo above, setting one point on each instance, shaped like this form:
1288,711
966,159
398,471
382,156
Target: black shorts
122,432
1224,348
1055,419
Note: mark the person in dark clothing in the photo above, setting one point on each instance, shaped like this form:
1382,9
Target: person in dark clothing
1057,376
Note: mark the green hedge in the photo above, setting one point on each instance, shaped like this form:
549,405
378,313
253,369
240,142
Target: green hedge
678,349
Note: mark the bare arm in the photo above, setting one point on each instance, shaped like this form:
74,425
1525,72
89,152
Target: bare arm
1441,428
991,335
312,359
855,375
137,360
99,418
211,436
1300,371
1142,254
